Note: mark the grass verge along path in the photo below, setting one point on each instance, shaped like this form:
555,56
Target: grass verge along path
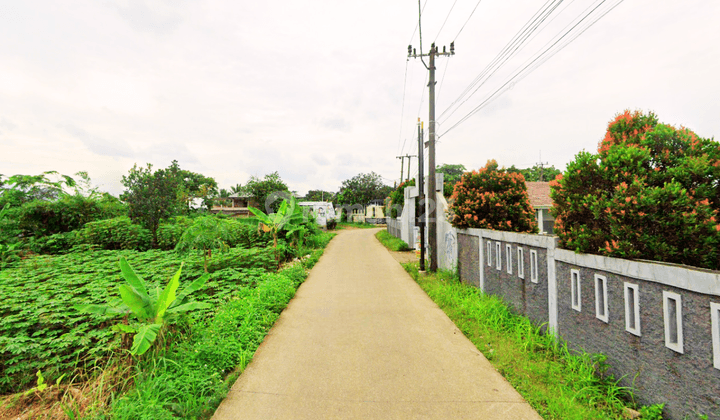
392,243
557,382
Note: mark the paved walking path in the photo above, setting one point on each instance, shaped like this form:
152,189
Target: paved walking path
361,340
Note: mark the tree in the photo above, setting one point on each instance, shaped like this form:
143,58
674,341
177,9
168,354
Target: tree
237,189
153,196
268,192
492,198
652,191
536,173
363,188
193,186
20,189
206,233
451,176
319,195
275,222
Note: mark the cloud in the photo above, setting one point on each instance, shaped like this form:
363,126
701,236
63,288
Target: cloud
7,124
320,160
336,123
157,18
98,145
167,152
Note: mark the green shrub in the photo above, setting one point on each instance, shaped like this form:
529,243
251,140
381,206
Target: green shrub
69,212
170,231
492,198
652,191
117,233
244,233
59,243
397,199
331,224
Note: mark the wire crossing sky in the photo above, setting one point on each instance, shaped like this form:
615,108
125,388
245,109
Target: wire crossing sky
322,90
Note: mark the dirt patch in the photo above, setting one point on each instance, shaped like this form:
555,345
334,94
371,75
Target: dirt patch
404,256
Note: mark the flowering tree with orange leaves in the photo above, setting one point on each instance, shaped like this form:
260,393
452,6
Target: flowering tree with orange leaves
652,192
491,198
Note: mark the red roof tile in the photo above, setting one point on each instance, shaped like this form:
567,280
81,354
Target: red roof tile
539,193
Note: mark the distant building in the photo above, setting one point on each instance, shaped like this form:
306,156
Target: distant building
539,194
322,210
373,213
235,205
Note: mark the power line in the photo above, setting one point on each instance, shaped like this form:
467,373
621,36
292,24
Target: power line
510,49
519,75
444,22
416,26
402,111
447,62
468,20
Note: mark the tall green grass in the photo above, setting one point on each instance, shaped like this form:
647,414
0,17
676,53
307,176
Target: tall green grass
558,382
391,242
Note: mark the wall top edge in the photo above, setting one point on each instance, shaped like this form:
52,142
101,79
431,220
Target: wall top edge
529,239
695,280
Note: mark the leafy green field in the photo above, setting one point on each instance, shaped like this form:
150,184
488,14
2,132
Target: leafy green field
185,376
40,330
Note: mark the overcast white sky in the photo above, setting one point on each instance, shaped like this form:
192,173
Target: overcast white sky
314,89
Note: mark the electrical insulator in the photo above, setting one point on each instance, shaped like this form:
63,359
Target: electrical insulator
452,47
409,50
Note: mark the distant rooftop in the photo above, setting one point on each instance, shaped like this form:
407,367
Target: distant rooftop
539,193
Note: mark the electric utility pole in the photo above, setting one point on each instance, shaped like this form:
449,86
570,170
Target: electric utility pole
541,166
432,204
402,160
421,200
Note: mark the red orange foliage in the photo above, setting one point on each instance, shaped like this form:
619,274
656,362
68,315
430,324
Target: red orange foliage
652,191
490,198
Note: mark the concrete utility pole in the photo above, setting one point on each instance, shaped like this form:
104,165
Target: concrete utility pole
421,201
541,166
402,160
432,217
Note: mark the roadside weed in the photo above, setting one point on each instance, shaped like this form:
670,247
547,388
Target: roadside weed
559,382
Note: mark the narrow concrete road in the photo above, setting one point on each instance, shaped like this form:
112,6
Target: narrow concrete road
361,340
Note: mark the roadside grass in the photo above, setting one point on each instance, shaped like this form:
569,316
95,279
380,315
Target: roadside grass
557,382
356,225
391,242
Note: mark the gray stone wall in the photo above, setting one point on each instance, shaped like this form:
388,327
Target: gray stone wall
468,259
688,383
536,294
521,294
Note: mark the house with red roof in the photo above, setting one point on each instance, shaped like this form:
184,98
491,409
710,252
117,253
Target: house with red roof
539,194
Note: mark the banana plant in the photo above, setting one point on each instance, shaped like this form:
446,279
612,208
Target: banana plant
275,221
153,310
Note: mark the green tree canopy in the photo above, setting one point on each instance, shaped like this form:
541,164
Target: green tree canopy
268,192
536,173
451,175
363,188
319,195
19,189
152,196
